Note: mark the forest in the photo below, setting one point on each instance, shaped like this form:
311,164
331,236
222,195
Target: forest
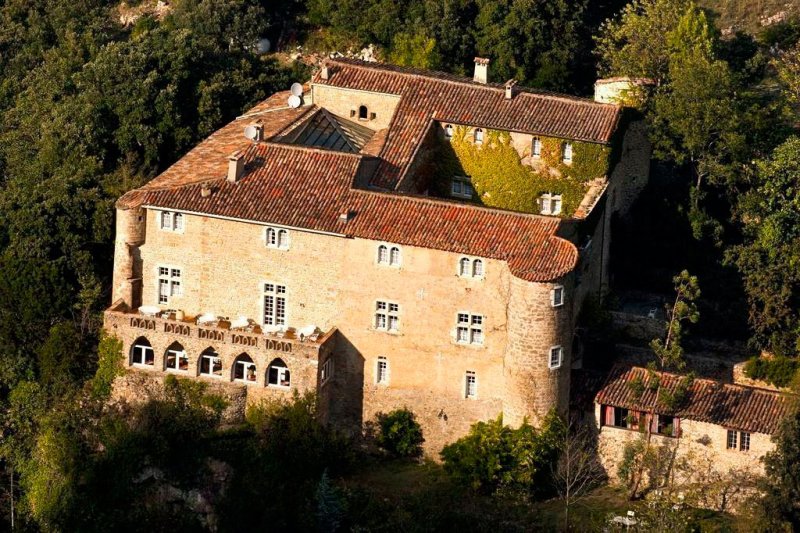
94,103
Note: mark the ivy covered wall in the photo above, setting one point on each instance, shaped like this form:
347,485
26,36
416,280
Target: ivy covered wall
500,178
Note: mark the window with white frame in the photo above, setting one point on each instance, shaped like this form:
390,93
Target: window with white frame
477,268
278,374
244,369
274,304
169,284
210,364
536,149
557,296
382,371
389,255
567,152
169,221
469,328
448,132
556,357
394,256
478,136
326,372
744,441
387,316
731,442
142,353
470,385
176,358
470,268
277,238
461,187
550,204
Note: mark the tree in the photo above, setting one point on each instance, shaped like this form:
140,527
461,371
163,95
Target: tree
400,433
668,357
770,253
415,50
781,486
578,468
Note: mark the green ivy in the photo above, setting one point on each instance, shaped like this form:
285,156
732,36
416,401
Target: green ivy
501,180
779,371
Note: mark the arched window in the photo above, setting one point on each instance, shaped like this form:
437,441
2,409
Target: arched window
383,254
363,113
166,220
142,353
477,268
478,136
278,374
178,222
567,152
283,238
210,363
463,267
272,237
448,132
536,149
175,358
244,369
394,256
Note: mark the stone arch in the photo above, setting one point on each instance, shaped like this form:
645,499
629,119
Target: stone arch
244,369
176,358
210,363
278,374
363,112
142,353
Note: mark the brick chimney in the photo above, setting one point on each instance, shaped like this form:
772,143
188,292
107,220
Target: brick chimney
235,166
481,70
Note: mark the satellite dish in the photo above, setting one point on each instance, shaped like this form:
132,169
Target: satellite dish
295,101
251,132
297,89
263,45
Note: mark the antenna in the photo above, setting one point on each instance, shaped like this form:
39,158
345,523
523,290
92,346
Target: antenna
251,132
295,101
297,89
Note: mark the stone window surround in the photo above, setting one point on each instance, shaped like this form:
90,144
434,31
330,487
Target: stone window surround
560,351
470,385
274,294
173,217
471,263
386,312
557,289
390,250
280,237
246,365
179,354
281,373
211,355
471,326
142,350
382,376
170,280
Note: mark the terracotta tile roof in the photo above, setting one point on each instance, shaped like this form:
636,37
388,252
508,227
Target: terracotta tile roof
732,406
427,96
310,188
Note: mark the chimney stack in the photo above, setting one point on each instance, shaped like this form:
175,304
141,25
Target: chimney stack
511,89
235,166
481,70
325,73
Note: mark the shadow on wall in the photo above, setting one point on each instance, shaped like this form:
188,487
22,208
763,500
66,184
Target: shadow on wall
342,398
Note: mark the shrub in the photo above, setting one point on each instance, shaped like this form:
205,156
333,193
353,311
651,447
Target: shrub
400,433
779,370
493,456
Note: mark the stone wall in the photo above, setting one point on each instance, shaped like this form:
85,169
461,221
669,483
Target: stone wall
343,102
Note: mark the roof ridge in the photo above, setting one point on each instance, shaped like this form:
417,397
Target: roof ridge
456,79
715,381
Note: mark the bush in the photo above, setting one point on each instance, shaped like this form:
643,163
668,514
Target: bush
493,456
779,370
400,433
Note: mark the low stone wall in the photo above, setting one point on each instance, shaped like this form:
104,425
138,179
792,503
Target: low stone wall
637,326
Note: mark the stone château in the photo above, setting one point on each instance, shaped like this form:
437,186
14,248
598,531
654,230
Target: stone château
365,241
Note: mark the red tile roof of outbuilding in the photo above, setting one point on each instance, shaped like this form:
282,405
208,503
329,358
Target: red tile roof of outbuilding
732,406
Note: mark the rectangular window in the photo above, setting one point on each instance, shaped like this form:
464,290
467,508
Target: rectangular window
620,417
469,328
211,365
537,148
169,284
166,220
461,187
550,204
557,296
567,152
744,441
274,304
556,356
326,373
731,445
178,222
169,221
177,360
387,316
666,426
382,371
277,238
471,385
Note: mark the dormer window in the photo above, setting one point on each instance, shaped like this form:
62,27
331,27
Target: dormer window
567,152
448,132
536,148
363,113
550,204
478,136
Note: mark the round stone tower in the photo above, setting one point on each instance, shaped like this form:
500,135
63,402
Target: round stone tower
533,385
127,264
